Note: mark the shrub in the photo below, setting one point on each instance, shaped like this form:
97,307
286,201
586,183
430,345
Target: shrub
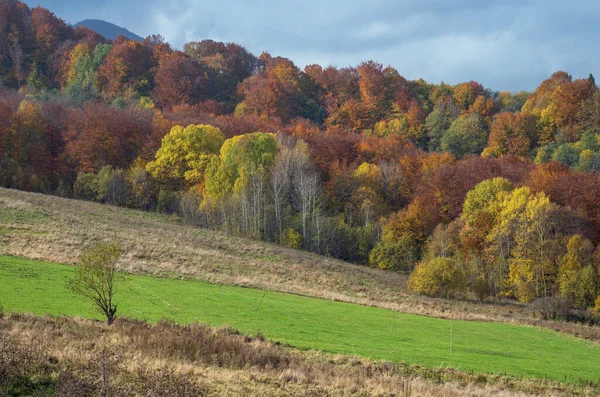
587,288
395,253
551,308
84,187
438,277
292,238
596,308
167,202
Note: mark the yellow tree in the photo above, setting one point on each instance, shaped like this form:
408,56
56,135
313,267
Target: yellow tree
367,198
185,154
533,241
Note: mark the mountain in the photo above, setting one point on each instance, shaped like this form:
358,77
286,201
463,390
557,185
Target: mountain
107,29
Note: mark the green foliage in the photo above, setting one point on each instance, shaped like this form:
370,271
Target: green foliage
83,82
99,55
436,125
167,201
589,141
544,154
143,189
120,102
467,135
95,277
587,287
566,154
35,79
394,253
438,277
481,203
85,186
241,157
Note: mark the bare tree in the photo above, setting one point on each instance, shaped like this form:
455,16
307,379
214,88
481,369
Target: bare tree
280,184
95,277
16,55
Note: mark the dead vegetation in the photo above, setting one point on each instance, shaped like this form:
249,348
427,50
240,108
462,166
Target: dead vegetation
55,229
41,355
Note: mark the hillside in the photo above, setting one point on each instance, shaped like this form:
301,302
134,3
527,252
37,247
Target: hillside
498,191
56,229
108,30
309,323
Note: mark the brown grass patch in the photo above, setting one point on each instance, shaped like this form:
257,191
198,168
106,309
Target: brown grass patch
84,357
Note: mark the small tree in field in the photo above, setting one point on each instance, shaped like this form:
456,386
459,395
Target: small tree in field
95,277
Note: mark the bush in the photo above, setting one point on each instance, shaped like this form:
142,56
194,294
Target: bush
587,288
438,277
292,238
551,308
596,308
167,202
84,187
395,253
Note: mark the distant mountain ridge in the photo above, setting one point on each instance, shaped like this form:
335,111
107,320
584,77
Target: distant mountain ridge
107,29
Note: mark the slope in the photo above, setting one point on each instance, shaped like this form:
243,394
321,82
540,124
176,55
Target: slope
309,323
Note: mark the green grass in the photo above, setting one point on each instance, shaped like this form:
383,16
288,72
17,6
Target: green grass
308,323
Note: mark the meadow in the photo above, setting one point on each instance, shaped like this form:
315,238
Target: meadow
308,323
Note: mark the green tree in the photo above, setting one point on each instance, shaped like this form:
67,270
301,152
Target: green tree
467,135
566,154
83,78
95,278
394,253
587,287
241,158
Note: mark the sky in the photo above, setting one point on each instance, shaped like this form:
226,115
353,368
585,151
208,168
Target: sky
507,45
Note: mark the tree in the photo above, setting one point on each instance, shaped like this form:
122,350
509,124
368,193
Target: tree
179,80
512,134
95,277
467,93
466,135
185,154
588,287
439,121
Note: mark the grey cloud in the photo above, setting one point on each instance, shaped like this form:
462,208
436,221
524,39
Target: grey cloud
507,45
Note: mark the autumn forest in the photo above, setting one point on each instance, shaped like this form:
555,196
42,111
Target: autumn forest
479,194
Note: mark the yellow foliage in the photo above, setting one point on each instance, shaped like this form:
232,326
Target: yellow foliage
292,238
596,308
186,152
438,277
520,280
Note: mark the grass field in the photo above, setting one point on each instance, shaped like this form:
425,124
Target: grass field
55,229
309,323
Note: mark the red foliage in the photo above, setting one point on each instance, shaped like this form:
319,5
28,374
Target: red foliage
100,135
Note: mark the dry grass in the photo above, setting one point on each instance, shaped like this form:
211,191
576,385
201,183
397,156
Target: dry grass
84,357
54,229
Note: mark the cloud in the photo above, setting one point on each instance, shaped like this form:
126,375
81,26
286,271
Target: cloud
507,45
